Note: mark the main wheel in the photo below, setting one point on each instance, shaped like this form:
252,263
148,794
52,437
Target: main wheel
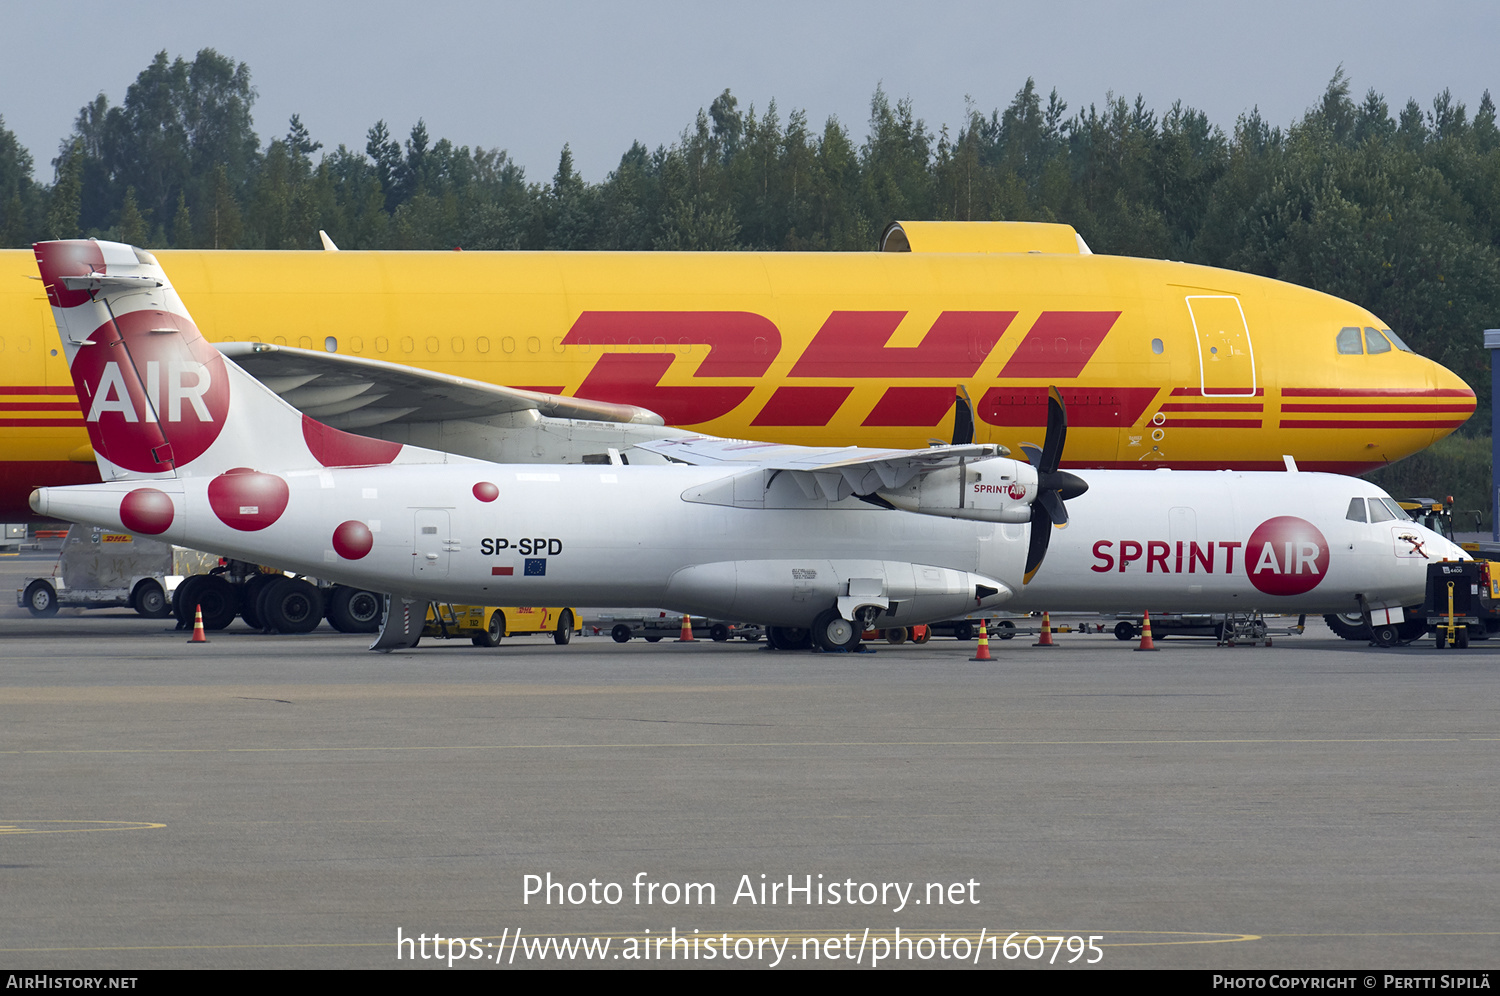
41,598
218,600
250,593
292,605
150,601
185,599
354,610
620,634
563,635
833,633
789,638
1348,625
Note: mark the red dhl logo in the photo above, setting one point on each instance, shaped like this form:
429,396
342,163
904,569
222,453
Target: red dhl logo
850,345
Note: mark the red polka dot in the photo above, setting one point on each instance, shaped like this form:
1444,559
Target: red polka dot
352,540
146,510
485,491
247,500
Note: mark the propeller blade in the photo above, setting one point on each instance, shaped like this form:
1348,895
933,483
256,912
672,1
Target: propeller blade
1057,432
1041,534
1033,453
1056,510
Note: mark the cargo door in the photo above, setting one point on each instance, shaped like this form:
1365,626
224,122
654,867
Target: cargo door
1226,359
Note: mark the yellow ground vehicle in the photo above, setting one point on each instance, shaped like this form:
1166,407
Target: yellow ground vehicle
486,626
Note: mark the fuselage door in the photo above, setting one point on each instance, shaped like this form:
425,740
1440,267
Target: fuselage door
430,543
1225,357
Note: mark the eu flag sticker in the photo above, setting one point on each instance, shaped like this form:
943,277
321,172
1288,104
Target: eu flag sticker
536,567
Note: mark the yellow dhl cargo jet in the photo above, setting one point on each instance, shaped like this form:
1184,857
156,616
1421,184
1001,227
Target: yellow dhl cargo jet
1161,364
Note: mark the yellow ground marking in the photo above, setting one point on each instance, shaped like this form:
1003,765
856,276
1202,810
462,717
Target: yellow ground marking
71,826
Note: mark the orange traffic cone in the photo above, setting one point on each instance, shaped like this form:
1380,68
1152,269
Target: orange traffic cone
983,653
687,630
1146,642
1045,640
198,636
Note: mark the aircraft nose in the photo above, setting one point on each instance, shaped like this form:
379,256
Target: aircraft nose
1453,400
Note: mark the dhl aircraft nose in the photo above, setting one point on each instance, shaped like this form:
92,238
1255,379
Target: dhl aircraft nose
1455,397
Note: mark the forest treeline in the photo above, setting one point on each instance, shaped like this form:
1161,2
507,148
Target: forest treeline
1395,209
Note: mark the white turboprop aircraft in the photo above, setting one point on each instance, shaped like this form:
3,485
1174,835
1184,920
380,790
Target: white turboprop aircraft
194,450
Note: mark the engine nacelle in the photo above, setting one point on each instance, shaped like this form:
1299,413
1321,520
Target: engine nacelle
790,593
995,490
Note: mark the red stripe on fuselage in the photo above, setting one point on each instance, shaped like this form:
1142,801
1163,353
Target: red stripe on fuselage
1374,392
1362,409
1087,407
1362,424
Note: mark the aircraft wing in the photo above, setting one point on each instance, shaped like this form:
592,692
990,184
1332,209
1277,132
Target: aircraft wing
352,392
833,472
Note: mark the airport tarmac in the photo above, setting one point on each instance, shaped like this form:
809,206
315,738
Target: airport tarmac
296,801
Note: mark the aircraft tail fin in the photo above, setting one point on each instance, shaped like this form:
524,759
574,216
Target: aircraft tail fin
156,395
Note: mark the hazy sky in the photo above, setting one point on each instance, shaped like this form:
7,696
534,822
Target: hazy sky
527,77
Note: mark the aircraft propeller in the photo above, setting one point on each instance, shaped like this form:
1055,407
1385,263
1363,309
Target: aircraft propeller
1054,486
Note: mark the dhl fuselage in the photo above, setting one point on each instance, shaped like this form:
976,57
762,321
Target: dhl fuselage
1161,364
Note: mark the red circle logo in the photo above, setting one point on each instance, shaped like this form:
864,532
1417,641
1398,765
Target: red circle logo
166,386
485,491
246,500
1018,491
146,510
1286,556
352,539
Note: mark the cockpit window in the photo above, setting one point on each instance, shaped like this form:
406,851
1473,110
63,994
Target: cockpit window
1397,340
1375,342
1379,512
1356,511
1349,343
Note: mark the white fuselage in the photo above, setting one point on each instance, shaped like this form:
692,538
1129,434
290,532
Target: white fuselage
596,535
703,539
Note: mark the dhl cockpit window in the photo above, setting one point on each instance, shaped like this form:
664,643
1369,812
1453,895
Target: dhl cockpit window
1356,511
1396,341
1375,342
1349,341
